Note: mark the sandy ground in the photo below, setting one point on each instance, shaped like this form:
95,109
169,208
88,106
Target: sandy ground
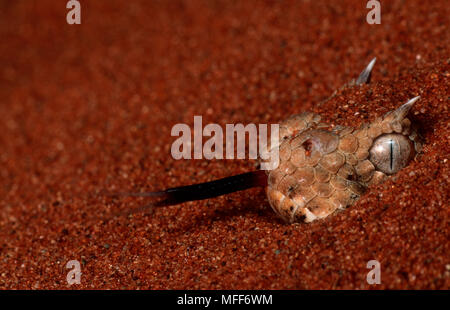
89,108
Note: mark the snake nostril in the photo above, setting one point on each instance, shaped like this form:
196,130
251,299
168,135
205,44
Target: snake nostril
351,177
307,145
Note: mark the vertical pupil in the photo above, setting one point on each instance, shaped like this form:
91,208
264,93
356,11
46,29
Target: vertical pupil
391,147
391,152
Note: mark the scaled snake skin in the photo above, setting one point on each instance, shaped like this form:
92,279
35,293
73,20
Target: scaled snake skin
324,169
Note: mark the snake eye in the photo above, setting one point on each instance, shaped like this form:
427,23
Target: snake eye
391,152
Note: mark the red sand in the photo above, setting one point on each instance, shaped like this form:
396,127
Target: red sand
89,108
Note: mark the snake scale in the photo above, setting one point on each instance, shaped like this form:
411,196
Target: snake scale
322,168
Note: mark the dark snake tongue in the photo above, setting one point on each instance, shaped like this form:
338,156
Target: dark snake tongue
201,191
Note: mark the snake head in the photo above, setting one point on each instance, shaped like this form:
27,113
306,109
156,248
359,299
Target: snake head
325,168
322,171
